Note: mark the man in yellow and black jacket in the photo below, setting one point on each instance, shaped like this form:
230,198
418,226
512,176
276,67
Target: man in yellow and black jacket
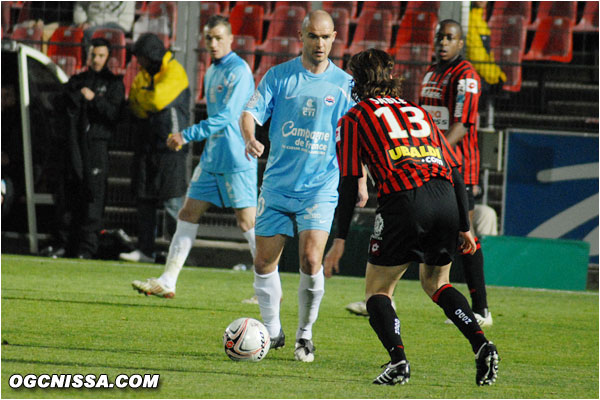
159,99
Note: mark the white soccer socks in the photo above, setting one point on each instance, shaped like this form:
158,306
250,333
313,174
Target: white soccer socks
268,291
180,247
251,239
310,293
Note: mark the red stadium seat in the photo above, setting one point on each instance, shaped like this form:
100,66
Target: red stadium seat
157,9
386,6
276,51
372,26
207,9
338,49
247,20
350,6
6,17
508,36
519,8
341,22
307,5
589,19
429,6
553,40
116,37
561,9
65,48
245,47
267,7
130,72
200,83
412,61
417,27
30,36
286,22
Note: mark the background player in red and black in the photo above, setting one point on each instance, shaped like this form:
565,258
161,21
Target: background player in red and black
450,93
422,209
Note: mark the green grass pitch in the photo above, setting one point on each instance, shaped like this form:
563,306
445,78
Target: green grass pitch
82,317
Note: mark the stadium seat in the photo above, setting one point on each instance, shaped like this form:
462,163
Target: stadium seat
276,51
245,47
30,36
374,27
130,72
307,5
507,39
158,9
341,22
412,61
338,49
559,9
350,6
203,55
247,20
116,37
267,7
553,40
65,48
207,9
416,27
199,98
385,6
6,17
589,19
522,8
286,22
429,6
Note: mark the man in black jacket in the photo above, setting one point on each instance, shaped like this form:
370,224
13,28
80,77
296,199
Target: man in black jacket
93,101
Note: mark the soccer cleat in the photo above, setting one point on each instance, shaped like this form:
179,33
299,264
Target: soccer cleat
393,374
486,361
305,350
251,300
136,256
360,308
484,321
278,341
152,286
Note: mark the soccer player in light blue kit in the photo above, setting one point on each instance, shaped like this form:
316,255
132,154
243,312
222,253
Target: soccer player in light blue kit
304,98
222,178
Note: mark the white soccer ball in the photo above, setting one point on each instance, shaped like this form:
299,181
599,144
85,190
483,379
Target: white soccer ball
246,339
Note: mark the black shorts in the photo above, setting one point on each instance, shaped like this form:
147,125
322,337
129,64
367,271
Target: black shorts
418,225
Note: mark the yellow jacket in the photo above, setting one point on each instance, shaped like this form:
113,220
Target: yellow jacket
478,49
169,82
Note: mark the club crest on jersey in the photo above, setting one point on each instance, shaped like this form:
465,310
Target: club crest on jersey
329,100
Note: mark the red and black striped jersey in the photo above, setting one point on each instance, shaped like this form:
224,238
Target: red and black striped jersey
450,93
397,140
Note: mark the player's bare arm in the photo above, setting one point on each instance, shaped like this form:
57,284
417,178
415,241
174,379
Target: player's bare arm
456,132
254,148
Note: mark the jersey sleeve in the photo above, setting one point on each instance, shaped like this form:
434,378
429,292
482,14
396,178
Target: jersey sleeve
238,92
347,145
261,103
468,92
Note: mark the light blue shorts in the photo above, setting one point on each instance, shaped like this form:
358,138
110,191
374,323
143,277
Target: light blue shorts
236,190
276,214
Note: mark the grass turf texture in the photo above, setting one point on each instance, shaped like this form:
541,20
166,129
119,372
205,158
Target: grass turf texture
82,317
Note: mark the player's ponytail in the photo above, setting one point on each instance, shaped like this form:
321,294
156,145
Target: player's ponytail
372,70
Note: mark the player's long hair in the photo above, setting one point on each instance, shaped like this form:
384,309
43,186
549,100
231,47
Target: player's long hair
372,70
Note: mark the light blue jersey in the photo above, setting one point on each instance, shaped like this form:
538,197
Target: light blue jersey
304,109
228,86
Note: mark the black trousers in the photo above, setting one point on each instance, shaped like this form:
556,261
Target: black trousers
80,205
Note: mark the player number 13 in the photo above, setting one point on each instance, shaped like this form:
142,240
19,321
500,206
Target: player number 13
415,117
